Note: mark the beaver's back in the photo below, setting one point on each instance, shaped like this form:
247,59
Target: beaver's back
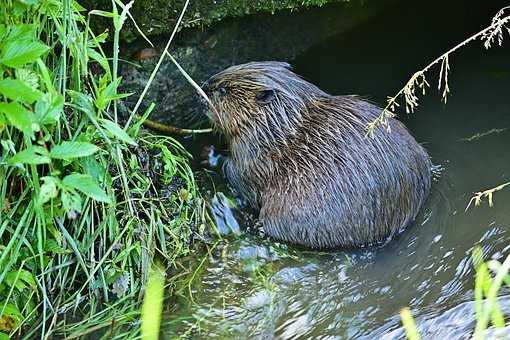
331,186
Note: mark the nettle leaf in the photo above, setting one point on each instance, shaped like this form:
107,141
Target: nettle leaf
116,131
28,76
18,90
71,150
49,108
32,155
93,168
16,53
19,117
48,189
87,185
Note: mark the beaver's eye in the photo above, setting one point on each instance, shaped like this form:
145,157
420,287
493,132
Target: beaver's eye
265,96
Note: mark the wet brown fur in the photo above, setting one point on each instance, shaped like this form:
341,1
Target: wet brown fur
301,156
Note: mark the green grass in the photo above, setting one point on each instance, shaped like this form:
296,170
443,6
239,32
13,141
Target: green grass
490,277
81,213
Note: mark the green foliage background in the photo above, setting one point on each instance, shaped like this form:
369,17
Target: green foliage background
81,214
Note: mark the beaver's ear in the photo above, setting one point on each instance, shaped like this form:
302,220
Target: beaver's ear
265,96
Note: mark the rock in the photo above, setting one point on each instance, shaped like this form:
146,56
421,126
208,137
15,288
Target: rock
221,209
159,16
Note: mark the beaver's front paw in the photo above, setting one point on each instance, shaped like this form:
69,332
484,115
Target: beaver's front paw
210,157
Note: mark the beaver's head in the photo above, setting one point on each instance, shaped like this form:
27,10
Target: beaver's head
258,96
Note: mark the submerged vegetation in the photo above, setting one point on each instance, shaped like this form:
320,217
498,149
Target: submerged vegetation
86,202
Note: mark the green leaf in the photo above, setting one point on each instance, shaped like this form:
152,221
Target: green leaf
3,31
19,117
409,324
87,185
3,122
117,132
109,93
11,316
135,129
18,90
101,13
20,52
4,336
54,247
32,155
48,189
29,2
18,10
22,32
93,168
49,109
45,77
83,102
20,279
71,202
103,61
94,41
28,76
71,150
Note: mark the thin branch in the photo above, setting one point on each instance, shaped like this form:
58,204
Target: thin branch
489,35
173,130
479,196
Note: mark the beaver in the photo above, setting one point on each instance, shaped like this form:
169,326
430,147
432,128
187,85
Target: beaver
302,158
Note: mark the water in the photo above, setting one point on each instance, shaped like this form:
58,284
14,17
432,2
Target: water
251,287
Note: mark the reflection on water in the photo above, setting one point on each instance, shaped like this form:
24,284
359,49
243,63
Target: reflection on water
254,288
